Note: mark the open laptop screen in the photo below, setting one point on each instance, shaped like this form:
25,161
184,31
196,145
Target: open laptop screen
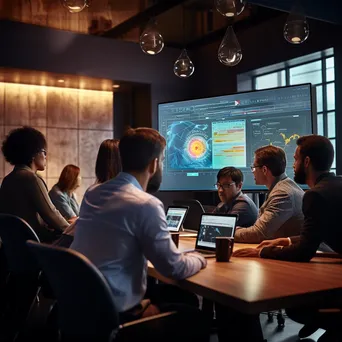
175,217
212,226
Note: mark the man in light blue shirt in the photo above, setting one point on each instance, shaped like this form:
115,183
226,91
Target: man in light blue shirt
121,226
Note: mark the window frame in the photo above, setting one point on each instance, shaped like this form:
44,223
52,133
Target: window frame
287,65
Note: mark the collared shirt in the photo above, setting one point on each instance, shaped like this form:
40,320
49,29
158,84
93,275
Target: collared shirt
120,227
321,208
242,206
280,215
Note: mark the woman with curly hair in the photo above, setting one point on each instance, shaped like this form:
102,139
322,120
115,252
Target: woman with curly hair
62,194
23,193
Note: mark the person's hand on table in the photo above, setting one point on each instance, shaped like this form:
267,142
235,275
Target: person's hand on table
198,256
283,242
247,252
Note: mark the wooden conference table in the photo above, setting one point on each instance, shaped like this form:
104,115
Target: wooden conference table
254,285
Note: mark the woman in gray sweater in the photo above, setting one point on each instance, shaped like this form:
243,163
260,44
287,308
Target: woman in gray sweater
23,193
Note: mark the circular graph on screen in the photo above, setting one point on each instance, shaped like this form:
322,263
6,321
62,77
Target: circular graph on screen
196,147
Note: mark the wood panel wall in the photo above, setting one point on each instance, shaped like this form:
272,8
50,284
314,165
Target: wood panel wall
74,121
100,16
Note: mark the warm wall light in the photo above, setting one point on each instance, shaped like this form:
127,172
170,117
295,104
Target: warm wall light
116,86
60,81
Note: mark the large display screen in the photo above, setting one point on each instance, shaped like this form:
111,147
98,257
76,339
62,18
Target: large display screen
205,135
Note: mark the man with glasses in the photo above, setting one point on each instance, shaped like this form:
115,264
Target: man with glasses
281,213
233,201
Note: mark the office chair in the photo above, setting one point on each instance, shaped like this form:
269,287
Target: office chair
22,285
85,305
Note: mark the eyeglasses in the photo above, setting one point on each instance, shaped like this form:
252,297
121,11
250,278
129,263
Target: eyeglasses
43,151
253,167
223,186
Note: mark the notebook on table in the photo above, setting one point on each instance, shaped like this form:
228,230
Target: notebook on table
212,226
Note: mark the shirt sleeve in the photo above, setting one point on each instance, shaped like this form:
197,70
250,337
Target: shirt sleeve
44,206
159,248
303,248
276,213
61,204
245,214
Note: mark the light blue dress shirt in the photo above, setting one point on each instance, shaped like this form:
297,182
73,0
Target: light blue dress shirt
121,227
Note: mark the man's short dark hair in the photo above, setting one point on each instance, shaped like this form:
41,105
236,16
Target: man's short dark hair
138,147
235,174
272,157
22,144
319,149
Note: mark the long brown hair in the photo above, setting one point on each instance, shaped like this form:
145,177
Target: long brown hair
108,162
68,178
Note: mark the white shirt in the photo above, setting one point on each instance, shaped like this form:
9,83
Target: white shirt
119,228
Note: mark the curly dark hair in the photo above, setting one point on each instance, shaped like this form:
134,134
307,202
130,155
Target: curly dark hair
22,144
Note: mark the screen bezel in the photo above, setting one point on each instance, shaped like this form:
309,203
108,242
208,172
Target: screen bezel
313,127
177,207
206,248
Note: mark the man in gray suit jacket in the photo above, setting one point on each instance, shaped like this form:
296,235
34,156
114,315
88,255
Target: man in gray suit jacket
281,214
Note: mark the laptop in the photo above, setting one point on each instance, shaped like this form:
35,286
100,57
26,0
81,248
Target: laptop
175,216
212,226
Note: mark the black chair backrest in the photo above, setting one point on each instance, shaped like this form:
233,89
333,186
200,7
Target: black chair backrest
86,308
193,217
14,232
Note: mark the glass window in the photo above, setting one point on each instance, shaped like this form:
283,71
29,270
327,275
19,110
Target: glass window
331,125
306,73
319,98
330,69
333,141
320,130
276,79
331,96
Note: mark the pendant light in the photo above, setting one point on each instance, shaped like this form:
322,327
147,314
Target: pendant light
296,29
75,6
229,52
183,67
151,41
230,8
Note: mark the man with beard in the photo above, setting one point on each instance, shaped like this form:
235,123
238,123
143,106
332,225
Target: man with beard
321,205
121,226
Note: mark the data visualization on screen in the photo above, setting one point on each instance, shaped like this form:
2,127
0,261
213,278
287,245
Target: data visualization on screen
205,135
